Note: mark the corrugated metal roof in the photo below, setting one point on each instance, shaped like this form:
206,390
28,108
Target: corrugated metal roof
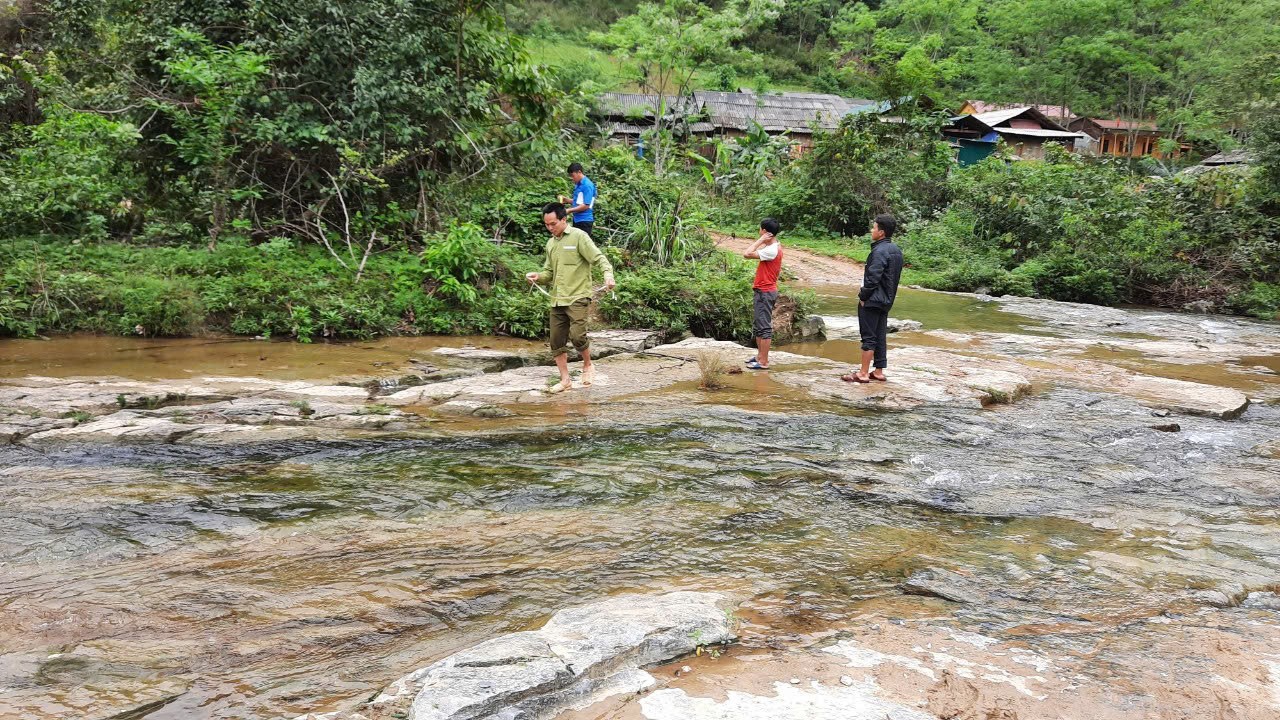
1112,124
781,112
625,103
1061,112
1235,157
995,117
1039,132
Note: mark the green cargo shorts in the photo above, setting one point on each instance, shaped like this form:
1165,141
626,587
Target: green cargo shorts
569,325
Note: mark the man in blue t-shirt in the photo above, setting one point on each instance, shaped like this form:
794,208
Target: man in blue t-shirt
582,204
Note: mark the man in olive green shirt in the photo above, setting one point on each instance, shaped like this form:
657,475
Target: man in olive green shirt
570,257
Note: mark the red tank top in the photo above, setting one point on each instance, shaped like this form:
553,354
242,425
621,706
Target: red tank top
767,273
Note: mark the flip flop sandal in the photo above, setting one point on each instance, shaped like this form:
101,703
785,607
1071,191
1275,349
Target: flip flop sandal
878,379
753,365
559,388
853,377
588,377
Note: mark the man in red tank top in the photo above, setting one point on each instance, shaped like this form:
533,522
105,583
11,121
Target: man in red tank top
765,290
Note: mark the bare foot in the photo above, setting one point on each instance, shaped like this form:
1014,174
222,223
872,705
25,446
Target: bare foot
878,375
588,376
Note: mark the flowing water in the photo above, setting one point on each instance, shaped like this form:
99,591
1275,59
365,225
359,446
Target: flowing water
267,581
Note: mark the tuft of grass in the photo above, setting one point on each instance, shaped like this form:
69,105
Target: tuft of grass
375,409
304,408
712,368
79,416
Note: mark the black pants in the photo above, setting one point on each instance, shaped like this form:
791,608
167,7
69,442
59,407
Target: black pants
586,227
873,325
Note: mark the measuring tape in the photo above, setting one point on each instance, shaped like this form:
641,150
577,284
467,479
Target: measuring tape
595,294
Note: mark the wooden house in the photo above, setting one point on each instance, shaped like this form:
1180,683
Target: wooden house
972,139
625,116
795,114
1122,138
1024,130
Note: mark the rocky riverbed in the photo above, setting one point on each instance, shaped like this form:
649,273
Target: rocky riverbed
1050,510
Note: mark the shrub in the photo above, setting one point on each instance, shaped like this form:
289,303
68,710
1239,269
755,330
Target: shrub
1261,300
711,369
159,306
863,168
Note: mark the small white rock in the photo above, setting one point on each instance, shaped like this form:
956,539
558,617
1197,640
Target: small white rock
846,680
795,681
686,669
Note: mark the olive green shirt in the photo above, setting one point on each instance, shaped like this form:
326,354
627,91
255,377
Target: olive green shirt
568,266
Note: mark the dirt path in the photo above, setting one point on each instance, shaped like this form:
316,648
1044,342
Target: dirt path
805,266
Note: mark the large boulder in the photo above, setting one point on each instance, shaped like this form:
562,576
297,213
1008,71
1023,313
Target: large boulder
844,327
788,328
580,655
1180,395
484,359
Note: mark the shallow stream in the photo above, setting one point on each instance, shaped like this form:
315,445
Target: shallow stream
268,581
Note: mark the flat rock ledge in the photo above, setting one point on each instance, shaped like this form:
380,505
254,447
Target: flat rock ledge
580,656
844,327
604,343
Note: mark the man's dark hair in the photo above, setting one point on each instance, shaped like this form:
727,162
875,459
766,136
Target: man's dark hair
770,226
887,224
575,167
556,208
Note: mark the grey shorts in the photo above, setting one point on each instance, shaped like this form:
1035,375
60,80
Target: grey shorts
762,324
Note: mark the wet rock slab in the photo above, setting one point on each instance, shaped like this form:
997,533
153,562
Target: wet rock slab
811,701
843,327
604,343
580,655
920,376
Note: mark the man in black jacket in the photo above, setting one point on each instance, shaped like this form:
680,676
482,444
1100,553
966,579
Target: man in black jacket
879,288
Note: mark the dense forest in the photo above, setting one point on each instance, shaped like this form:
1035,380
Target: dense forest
317,168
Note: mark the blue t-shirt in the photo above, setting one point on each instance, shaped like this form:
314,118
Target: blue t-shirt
584,193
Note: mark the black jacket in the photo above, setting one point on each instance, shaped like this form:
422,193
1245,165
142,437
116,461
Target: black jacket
880,278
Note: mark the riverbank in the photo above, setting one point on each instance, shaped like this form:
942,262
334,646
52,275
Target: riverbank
458,283
1087,490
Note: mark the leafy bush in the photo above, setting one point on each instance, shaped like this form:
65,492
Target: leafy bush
1078,229
863,168
1261,300
456,259
71,173
709,298
158,306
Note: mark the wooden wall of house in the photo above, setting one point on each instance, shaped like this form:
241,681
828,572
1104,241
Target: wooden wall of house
1120,144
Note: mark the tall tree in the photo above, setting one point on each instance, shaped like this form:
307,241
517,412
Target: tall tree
670,42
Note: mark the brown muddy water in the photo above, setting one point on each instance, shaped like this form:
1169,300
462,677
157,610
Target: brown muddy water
151,359
267,581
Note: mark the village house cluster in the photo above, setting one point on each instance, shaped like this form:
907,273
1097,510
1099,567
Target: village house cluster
975,131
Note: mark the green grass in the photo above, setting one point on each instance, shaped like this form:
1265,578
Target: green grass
832,245
829,244
607,72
